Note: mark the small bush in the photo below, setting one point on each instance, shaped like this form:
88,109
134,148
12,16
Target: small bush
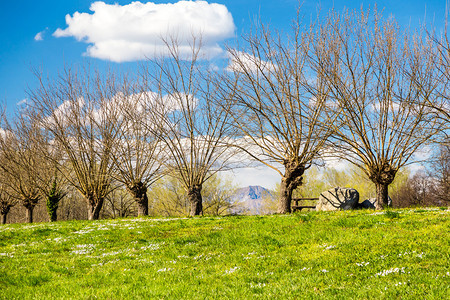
391,214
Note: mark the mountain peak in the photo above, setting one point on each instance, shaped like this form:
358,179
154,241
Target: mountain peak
251,197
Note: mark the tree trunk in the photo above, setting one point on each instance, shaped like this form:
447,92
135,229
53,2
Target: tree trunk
52,207
4,212
195,200
291,180
142,205
382,199
139,192
53,216
94,209
284,203
382,175
30,209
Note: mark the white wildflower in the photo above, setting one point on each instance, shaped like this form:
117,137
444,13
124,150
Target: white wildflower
362,264
258,285
99,264
164,270
420,255
111,253
376,214
232,270
393,270
152,246
83,231
59,239
83,249
198,256
327,247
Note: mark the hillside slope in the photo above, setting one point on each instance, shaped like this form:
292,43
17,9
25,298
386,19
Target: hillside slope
318,255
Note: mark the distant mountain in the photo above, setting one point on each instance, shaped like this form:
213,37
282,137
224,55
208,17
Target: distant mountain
251,199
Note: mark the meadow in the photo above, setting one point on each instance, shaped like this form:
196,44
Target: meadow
311,255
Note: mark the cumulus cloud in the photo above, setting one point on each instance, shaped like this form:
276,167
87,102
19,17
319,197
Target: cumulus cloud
63,113
241,61
136,31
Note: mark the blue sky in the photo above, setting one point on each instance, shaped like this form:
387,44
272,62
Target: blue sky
34,34
22,20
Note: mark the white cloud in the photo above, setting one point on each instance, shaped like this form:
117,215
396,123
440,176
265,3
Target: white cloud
39,36
135,31
177,101
4,133
392,106
337,164
423,154
22,102
241,61
63,113
262,176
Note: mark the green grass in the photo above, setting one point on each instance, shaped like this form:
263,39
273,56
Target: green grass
338,255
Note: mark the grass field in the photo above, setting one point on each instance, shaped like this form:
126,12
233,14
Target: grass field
339,255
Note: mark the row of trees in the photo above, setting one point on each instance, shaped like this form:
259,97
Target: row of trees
167,197
352,85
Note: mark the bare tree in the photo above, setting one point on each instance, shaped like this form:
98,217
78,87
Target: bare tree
168,198
7,201
218,197
381,81
22,165
72,207
441,173
76,110
137,154
442,65
29,161
50,181
119,204
191,126
278,104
